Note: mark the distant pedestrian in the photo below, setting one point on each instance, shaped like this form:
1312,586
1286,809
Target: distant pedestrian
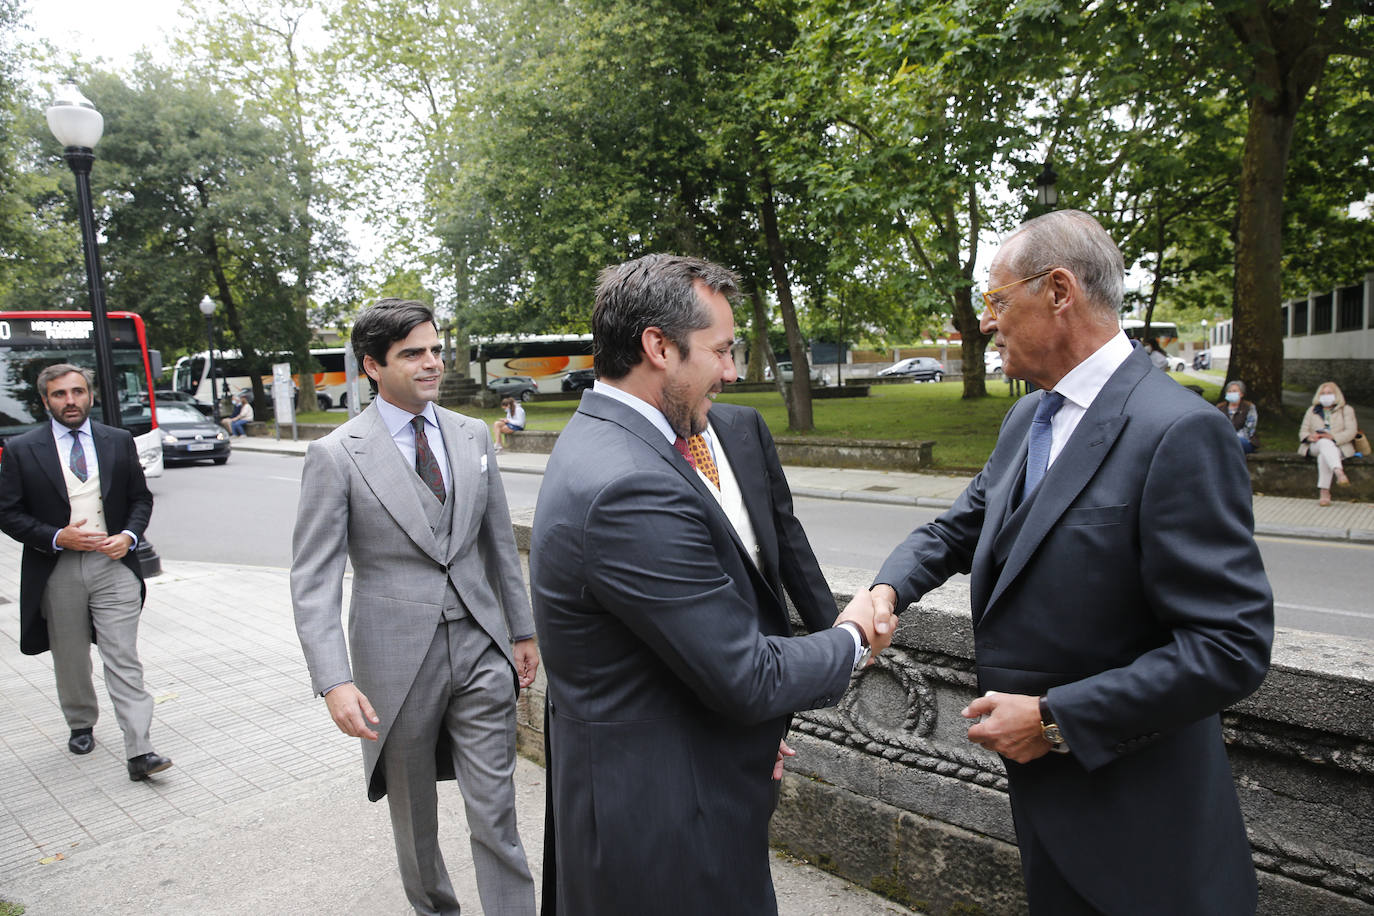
80,583
512,422
1242,414
1158,357
1327,434
237,425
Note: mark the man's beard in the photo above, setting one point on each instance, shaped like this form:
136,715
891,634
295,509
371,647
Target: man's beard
70,424
679,410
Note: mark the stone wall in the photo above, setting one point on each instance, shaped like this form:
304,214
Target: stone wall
1291,474
886,790
1354,376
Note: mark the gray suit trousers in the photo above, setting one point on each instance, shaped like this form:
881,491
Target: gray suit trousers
465,687
89,589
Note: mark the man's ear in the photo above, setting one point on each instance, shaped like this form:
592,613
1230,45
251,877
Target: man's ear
655,346
1064,289
370,367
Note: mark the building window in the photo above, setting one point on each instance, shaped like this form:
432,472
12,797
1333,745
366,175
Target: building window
1283,317
1350,308
1321,314
1300,318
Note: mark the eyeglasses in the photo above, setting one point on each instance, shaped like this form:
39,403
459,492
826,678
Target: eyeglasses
997,310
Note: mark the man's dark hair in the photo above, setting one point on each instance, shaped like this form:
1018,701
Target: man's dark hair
655,291
381,325
57,370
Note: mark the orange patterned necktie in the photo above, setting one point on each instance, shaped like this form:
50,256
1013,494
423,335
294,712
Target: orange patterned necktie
698,455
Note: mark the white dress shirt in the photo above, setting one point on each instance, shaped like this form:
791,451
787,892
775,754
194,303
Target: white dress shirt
397,423
1081,386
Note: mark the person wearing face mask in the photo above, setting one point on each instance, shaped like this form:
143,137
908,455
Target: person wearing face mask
1242,414
1328,430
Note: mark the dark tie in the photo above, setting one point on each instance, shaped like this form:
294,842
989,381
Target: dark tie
698,455
77,460
426,465
1038,453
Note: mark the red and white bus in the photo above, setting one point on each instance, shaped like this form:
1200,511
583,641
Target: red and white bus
29,341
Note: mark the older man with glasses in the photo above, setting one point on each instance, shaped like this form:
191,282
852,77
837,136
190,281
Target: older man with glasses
1115,612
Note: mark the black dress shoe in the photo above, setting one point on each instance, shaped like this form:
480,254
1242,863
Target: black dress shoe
145,765
81,741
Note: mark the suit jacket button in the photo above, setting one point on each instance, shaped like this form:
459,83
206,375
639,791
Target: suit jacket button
1121,748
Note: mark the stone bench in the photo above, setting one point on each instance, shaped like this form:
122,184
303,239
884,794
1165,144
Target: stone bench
531,441
1276,473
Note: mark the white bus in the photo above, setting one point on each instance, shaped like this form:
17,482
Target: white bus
191,375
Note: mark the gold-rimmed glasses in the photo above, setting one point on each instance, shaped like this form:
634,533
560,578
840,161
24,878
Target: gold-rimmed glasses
991,304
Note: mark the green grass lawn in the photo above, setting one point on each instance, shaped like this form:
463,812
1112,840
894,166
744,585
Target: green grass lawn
964,432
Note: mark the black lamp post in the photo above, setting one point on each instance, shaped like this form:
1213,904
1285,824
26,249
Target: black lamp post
78,126
1046,194
207,308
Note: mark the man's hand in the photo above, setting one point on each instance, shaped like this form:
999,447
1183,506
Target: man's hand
526,661
75,537
351,711
1012,726
115,546
783,751
874,618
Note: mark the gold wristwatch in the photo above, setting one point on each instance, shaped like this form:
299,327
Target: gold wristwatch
1050,729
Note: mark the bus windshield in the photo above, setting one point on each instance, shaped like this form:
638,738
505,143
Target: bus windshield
27,345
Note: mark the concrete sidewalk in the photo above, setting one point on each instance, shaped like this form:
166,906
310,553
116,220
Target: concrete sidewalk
265,809
1275,516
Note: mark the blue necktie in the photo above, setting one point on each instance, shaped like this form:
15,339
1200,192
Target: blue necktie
1038,453
77,460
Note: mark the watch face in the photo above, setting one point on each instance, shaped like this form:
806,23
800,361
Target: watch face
1052,735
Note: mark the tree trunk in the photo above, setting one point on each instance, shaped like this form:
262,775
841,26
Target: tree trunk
972,345
1257,339
762,349
799,418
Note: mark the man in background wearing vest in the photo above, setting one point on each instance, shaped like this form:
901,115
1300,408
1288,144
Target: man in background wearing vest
63,487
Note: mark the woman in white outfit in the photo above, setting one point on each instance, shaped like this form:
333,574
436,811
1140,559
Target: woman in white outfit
1327,432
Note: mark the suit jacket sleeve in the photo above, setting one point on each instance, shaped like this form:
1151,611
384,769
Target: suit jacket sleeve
498,546
1204,582
651,562
139,497
797,564
319,548
18,469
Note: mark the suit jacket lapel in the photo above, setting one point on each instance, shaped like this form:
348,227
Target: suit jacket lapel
106,457
464,468
50,460
1079,460
383,470
604,408
742,448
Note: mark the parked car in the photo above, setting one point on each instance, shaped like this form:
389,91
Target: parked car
520,387
1202,359
916,368
171,396
188,436
992,362
1176,363
579,379
785,367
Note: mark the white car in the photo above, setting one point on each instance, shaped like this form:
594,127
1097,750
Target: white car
1176,364
992,362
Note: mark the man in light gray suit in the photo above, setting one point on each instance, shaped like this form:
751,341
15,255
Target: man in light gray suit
439,628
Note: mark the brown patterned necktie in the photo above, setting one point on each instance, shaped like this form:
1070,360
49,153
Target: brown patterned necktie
426,465
698,455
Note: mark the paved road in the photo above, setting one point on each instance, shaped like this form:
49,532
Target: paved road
242,512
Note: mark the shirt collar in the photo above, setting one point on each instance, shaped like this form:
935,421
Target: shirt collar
59,430
647,411
1085,381
395,418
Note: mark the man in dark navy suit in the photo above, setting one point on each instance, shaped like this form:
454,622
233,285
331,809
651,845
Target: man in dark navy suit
1119,600
64,487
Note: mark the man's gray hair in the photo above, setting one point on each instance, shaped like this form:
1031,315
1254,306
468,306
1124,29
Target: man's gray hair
1073,240
57,370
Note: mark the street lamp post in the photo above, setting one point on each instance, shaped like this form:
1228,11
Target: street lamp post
207,308
76,124
1046,194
